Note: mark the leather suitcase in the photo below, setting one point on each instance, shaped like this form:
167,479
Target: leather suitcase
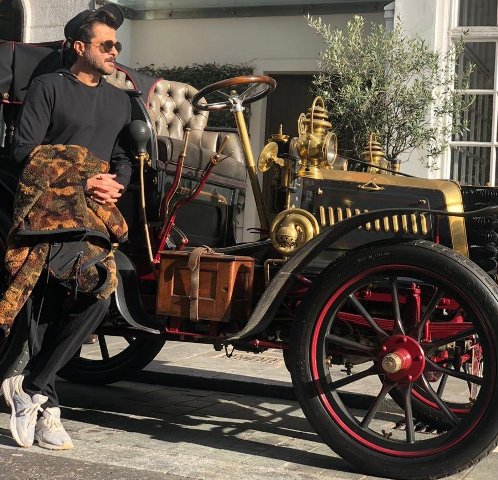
205,286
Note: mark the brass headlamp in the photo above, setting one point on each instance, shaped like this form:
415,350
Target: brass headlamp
317,144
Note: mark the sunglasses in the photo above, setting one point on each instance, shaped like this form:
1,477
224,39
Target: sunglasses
107,46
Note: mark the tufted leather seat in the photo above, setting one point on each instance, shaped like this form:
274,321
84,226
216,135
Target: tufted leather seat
121,79
171,111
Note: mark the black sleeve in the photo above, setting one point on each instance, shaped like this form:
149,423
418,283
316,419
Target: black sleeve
33,121
121,155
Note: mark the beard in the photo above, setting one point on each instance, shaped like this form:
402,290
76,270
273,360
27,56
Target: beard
104,67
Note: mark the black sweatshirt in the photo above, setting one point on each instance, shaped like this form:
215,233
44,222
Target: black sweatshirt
59,109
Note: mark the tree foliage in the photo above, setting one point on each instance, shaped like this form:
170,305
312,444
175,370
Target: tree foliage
390,84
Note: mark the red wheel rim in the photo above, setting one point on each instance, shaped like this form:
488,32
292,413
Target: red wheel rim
330,401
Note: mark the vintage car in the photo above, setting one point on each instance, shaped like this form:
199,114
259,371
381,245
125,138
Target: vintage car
368,281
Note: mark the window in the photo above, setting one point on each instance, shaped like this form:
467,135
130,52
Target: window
477,13
474,153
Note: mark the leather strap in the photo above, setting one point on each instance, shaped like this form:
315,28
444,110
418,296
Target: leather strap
194,265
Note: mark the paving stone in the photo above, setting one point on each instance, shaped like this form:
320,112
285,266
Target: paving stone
197,404
177,433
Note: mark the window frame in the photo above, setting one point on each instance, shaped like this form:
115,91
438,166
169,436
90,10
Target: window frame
478,34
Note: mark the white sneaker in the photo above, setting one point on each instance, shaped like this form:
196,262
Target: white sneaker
49,432
24,410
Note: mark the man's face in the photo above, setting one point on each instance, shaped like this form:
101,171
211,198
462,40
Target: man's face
97,60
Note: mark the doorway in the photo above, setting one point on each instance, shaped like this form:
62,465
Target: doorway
10,30
291,98
10,20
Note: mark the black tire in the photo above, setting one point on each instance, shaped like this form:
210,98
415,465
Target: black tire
13,349
137,354
426,413
376,288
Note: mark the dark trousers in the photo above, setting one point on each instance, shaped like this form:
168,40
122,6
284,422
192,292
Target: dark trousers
58,327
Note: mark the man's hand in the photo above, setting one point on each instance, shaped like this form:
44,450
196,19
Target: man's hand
103,188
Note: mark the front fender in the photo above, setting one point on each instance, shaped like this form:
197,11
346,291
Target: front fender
127,296
276,291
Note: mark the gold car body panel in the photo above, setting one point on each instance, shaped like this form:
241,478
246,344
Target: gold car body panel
449,189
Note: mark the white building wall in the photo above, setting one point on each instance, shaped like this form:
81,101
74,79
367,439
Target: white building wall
44,21
429,19
229,40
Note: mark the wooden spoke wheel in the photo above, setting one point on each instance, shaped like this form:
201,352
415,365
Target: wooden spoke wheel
415,320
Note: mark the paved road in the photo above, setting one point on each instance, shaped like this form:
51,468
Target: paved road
143,431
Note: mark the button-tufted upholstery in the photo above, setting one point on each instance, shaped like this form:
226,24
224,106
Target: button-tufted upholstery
120,79
171,111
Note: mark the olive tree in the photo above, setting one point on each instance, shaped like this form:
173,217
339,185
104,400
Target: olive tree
390,84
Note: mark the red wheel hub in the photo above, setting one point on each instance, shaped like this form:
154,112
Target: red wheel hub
402,359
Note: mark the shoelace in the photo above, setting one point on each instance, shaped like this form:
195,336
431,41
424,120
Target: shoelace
52,423
32,412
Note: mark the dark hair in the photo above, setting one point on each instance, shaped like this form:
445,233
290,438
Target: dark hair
84,32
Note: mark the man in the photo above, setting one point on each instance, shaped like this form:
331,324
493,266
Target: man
74,106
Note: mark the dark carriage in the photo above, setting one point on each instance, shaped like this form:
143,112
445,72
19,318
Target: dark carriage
369,281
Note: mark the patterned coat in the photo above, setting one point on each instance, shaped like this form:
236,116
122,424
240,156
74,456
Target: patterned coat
50,201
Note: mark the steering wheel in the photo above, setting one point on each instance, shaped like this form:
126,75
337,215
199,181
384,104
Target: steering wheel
249,95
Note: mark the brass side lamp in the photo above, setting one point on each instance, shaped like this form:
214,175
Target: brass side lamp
317,144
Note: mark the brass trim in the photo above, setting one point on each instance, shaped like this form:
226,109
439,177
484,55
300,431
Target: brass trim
414,223
392,363
368,226
251,170
449,189
423,223
310,171
291,229
266,267
404,223
371,186
331,216
210,196
206,195
395,224
268,156
323,221
280,136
